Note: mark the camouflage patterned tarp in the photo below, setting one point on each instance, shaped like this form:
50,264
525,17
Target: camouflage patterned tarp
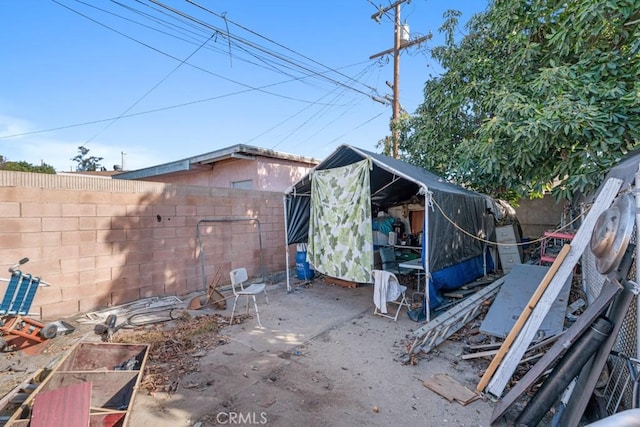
340,232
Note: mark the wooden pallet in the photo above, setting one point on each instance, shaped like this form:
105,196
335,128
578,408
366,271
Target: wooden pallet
340,282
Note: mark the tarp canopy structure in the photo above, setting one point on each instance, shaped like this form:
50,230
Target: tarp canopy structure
454,217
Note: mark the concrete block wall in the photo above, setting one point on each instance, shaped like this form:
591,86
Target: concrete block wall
539,215
101,242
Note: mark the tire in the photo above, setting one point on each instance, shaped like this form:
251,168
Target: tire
49,331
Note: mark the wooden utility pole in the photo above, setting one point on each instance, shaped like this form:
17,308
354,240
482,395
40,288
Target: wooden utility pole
397,46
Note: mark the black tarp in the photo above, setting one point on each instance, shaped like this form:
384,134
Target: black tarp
394,182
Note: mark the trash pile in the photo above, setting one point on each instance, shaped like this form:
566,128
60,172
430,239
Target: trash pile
177,347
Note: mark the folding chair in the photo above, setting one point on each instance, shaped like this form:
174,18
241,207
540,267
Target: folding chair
389,262
238,277
387,290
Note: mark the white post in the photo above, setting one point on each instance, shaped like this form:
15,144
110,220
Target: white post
425,250
286,241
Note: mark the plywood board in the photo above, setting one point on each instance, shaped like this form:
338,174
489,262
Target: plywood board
450,389
65,406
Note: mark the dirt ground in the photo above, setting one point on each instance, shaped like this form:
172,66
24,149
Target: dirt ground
322,358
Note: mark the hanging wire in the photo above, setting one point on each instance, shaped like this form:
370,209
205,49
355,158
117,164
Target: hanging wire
465,232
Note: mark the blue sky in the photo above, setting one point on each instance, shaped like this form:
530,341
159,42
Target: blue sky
165,83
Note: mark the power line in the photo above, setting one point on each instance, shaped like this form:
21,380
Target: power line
281,45
261,53
260,48
356,128
157,110
259,89
154,87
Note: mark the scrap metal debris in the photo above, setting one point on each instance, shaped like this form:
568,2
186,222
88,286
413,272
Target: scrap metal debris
175,350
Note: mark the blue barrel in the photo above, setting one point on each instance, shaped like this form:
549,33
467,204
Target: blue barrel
303,270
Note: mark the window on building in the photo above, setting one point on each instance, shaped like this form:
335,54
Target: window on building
243,185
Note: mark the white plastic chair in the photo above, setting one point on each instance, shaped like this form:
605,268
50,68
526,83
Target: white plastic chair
238,277
387,290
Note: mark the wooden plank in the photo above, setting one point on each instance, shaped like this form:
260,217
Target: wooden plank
340,282
479,354
17,389
493,346
581,240
450,389
107,420
609,290
495,350
458,294
533,301
65,406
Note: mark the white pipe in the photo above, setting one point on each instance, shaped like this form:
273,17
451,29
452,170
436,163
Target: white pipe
286,242
427,271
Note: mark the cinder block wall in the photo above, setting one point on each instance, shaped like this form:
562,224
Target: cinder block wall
102,242
539,215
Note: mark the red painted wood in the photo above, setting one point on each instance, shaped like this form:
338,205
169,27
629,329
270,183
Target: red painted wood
65,406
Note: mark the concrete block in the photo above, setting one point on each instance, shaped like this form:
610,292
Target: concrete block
78,209
60,224
52,312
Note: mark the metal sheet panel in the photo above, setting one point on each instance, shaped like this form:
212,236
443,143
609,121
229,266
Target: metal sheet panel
519,285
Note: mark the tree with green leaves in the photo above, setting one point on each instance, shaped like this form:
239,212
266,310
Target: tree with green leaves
539,94
23,166
86,162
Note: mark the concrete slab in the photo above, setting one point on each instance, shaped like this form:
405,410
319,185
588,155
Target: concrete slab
322,358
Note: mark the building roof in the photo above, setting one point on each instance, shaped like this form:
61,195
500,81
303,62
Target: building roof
239,151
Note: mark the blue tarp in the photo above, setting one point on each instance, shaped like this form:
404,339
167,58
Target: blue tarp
456,276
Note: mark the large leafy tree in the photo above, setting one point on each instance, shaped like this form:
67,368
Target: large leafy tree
85,161
538,92
22,166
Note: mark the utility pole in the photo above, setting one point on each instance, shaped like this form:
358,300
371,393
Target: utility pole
398,45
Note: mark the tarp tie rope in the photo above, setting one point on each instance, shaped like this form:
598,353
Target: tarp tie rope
433,202
429,200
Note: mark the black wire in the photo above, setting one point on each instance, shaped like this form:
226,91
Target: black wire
260,48
166,24
154,87
280,45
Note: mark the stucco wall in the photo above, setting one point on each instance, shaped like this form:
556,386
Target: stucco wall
102,242
268,174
